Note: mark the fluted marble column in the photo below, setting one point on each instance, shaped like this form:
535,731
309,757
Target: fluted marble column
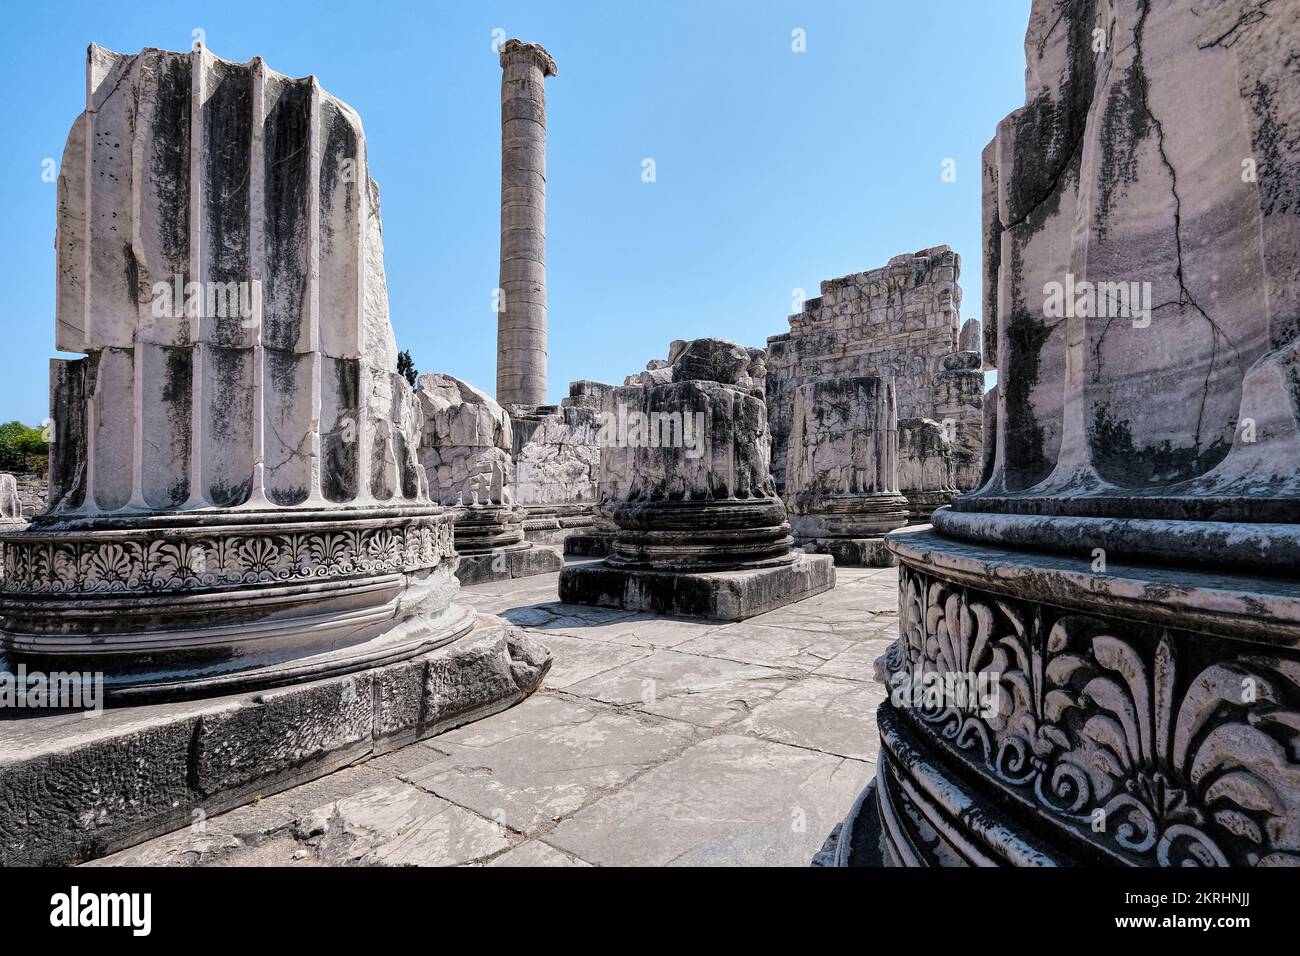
235,498
521,316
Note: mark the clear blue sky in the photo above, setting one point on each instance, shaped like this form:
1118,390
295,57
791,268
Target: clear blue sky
775,169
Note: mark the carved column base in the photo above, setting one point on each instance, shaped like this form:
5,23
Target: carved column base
1041,713
170,606
552,524
724,560
922,504
483,530
596,542
491,545
850,528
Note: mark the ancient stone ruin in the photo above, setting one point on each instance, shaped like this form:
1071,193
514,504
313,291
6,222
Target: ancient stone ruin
521,304
11,506
554,448
235,496
842,469
1119,595
238,429
702,531
465,449
901,322
556,455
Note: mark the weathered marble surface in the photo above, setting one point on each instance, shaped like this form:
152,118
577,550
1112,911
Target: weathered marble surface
899,321
11,507
465,442
556,453
690,457
465,448
1114,172
1124,580
842,476
237,446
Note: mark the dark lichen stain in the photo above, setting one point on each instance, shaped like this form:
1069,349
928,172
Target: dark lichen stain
379,486
68,454
1027,459
1049,130
288,131
1119,460
132,271
340,147
339,445
1125,123
169,162
227,132
177,397
229,405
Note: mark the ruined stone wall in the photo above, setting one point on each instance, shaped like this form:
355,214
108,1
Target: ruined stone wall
465,445
556,449
32,489
899,321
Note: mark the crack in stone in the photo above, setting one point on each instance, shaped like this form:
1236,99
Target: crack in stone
1185,294
1249,18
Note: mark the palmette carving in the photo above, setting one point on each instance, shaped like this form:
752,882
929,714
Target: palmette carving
219,558
1163,747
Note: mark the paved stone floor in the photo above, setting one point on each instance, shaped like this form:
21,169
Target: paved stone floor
654,741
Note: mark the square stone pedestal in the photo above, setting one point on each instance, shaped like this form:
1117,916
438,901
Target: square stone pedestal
851,552
716,595
593,544
73,788
504,565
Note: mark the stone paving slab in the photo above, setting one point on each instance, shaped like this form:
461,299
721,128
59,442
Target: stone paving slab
704,691
551,757
399,825
583,659
749,643
536,853
858,661
641,630
730,800
653,741
822,713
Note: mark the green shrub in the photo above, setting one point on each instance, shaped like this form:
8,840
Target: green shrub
22,448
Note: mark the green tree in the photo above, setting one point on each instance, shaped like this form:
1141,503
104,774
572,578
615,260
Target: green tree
406,367
22,448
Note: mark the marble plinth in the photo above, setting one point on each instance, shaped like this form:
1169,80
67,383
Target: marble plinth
716,595
1139,716
72,789
175,606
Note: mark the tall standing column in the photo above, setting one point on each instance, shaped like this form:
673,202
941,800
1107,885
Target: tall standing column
521,316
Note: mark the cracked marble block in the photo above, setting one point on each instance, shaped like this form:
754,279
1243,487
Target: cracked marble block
556,455
235,496
899,321
701,529
465,450
1122,588
842,472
